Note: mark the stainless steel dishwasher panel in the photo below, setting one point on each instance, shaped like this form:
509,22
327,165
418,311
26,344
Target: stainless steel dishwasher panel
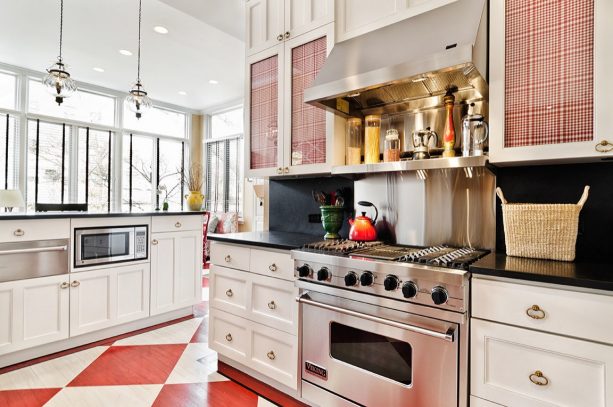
24,260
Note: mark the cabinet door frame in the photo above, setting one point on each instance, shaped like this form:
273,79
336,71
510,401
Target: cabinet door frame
266,24
272,171
307,12
76,298
335,140
603,88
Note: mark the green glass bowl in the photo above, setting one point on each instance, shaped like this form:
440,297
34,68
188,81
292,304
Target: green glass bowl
332,220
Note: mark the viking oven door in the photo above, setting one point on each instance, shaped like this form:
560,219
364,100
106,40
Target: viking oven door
377,356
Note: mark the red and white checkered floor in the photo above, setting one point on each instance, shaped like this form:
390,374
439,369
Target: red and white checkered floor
169,366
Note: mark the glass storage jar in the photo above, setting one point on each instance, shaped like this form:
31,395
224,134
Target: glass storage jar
372,139
391,152
355,141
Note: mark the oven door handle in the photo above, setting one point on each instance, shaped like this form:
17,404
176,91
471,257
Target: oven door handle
447,336
35,250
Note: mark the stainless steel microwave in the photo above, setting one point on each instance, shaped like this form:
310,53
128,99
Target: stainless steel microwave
95,246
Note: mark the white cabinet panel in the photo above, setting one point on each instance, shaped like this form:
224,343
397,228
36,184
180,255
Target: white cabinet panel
162,273
92,301
273,303
228,255
39,229
272,264
176,223
228,289
229,335
189,269
265,24
302,16
7,320
132,292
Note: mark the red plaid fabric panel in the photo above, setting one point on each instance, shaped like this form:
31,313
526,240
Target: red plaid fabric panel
308,122
549,75
264,112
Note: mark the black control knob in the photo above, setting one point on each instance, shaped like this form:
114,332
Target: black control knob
439,295
323,274
409,289
351,279
304,270
367,279
391,282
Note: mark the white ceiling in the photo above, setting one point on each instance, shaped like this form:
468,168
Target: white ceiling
205,42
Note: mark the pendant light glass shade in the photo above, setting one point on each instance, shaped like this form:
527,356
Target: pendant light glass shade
138,101
58,82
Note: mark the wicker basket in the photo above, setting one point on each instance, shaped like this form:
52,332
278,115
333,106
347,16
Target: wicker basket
541,231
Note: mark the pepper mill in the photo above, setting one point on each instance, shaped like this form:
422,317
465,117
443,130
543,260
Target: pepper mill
449,133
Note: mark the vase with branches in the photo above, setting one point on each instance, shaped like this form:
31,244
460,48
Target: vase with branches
194,180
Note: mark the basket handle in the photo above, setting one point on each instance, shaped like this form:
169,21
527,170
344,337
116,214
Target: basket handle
581,202
501,195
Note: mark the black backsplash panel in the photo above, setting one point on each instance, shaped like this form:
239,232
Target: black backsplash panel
292,203
564,184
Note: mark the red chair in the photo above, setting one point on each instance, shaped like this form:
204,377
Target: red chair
205,227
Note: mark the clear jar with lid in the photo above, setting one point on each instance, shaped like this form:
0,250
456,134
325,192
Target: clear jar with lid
391,152
354,141
372,139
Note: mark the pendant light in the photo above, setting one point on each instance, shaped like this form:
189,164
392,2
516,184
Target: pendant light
138,101
58,81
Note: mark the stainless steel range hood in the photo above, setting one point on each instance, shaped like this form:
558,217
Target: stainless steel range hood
408,65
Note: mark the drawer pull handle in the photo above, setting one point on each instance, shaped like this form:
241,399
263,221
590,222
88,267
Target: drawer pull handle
279,170
154,242
19,232
280,37
535,312
228,258
539,379
178,224
229,292
272,267
229,337
604,147
64,285
272,305
287,34
75,283
271,355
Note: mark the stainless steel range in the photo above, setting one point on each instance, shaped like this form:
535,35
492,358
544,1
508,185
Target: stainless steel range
384,325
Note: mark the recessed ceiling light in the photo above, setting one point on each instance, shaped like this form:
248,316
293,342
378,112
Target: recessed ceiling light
160,30
213,82
98,69
125,52
182,93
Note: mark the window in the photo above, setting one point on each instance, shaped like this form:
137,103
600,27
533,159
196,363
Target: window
8,90
48,163
138,162
224,162
170,170
83,106
9,151
94,171
156,120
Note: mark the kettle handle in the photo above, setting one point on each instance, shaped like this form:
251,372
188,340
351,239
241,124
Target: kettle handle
433,133
366,203
487,132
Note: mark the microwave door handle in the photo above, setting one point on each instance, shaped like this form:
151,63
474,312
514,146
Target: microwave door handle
447,336
35,250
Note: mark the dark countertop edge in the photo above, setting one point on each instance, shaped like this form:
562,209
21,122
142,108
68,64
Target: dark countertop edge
250,239
64,215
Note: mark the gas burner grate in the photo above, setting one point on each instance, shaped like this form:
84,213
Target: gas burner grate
342,246
444,256
385,252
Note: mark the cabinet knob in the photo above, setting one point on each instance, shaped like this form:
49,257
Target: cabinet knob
272,267
75,283
19,232
279,170
154,242
287,34
286,170
535,312
229,337
539,379
280,37
271,355
272,305
227,258
604,146
178,224
229,292
64,285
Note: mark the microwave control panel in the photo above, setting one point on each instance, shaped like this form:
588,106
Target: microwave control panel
140,242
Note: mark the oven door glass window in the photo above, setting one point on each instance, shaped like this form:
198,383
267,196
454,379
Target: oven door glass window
381,355
105,245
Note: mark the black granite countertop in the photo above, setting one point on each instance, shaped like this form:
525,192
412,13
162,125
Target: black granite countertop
274,240
76,214
576,274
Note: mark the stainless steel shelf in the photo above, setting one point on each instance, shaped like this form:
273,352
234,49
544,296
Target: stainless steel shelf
430,164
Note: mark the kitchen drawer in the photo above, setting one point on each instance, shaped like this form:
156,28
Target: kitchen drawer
560,311
229,290
34,229
477,402
176,223
273,303
272,263
275,354
505,361
227,255
229,335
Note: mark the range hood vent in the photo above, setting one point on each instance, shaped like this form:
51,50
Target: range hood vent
409,65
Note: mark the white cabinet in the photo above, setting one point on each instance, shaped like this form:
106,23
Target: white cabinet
22,230
176,270
357,17
550,84
106,297
33,312
270,22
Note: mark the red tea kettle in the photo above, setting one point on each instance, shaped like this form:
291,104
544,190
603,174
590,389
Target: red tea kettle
362,227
